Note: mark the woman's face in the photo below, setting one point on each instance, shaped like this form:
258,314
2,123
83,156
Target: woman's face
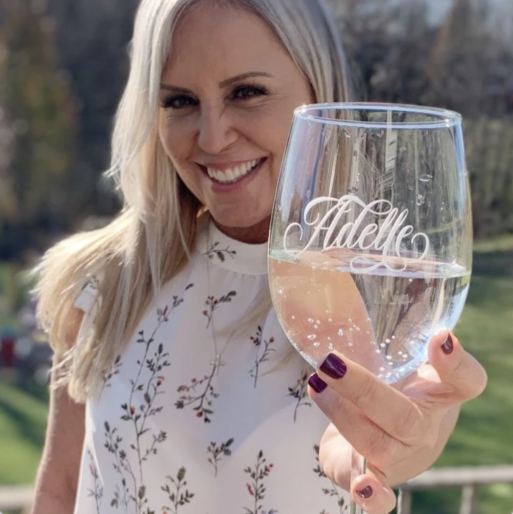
227,96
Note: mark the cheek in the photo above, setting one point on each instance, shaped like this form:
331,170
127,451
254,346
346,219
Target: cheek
176,144
174,139
271,134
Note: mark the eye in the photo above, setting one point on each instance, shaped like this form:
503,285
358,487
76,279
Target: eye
177,102
248,92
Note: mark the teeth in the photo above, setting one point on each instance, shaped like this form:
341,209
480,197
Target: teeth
232,174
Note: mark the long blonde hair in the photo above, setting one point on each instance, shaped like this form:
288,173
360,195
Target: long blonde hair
151,239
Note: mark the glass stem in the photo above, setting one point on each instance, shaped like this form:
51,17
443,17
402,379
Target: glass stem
358,467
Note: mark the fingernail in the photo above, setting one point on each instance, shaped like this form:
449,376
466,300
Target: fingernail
317,383
448,345
333,366
365,493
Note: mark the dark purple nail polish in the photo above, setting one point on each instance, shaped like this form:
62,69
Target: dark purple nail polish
448,345
365,493
333,366
317,383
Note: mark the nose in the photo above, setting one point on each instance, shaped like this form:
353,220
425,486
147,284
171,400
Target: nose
216,131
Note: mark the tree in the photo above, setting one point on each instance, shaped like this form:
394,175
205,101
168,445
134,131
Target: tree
37,108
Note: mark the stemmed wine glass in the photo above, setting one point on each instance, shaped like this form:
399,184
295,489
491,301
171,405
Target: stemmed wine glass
371,237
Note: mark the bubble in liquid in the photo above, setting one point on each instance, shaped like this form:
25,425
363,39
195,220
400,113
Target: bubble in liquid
293,317
378,351
280,291
340,332
351,329
383,345
382,369
389,357
368,319
310,320
330,320
316,326
331,347
425,177
350,320
420,199
316,344
387,341
311,337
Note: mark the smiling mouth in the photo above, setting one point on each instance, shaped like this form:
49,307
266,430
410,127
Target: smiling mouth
232,175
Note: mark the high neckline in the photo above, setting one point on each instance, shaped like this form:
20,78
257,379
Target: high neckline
228,253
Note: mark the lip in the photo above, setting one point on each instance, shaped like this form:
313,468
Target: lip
217,187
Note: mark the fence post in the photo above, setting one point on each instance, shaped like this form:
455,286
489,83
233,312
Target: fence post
469,499
404,501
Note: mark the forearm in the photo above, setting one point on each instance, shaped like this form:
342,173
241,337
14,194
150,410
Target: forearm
56,503
416,465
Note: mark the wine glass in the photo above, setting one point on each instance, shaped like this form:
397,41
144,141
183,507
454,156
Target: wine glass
370,246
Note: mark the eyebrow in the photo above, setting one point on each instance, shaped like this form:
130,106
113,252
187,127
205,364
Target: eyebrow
222,84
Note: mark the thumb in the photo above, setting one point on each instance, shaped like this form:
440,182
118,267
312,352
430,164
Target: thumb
457,369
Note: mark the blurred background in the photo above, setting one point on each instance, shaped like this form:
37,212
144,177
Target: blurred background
63,64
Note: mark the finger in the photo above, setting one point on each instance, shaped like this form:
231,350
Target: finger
461,376
372,491
391,410
368,439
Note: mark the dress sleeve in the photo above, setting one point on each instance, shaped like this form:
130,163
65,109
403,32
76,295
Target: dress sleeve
88,301
88,296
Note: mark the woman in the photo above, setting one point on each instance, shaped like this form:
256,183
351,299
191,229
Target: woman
194,400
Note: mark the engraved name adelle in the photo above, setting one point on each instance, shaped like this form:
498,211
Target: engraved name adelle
386,236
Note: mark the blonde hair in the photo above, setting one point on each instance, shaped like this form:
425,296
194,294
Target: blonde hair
152,238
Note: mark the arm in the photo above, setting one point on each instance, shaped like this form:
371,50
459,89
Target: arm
57,478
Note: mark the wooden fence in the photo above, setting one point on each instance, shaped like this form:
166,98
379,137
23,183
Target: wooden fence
469,479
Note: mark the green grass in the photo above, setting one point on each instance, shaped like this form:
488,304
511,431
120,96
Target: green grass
23,412
484,433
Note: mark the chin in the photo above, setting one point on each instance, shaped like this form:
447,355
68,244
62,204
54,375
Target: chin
239,222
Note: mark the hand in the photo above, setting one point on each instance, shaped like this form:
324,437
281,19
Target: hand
400,430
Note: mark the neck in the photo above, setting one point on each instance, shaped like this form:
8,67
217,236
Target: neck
257,234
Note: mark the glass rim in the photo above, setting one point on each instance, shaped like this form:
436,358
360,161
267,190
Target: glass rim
442,118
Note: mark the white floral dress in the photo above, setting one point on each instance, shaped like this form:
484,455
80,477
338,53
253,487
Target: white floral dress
176,430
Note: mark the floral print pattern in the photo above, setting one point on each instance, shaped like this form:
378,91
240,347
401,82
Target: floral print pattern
215,250
147,450
97,491
177,493
299,392
256,487
217,451
263,352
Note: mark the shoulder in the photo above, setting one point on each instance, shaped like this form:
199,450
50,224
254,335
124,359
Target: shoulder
89,293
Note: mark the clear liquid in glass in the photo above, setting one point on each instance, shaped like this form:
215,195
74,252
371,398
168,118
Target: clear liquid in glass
381,319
